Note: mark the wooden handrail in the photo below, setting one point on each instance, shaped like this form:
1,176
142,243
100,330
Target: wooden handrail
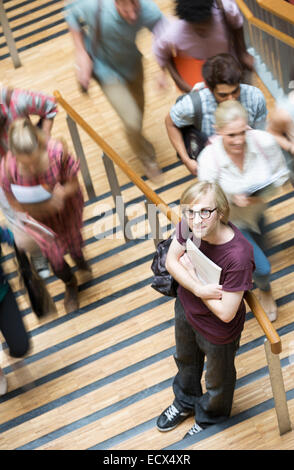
279,8
267,327
264,26
250,298
110,152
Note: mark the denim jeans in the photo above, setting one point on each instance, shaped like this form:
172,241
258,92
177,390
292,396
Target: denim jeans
215,405
262,271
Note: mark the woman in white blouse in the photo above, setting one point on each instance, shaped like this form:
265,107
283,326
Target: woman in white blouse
248,164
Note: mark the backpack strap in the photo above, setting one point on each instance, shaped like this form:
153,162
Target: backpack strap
197,105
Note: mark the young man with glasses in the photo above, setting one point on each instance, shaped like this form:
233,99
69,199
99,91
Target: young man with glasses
209,318
222,81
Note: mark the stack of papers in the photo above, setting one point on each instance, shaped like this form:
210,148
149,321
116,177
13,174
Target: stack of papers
207,271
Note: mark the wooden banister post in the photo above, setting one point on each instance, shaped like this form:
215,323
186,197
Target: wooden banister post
266,326
278,388
9,37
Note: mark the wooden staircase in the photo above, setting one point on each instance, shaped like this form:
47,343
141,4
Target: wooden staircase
33,22
99,377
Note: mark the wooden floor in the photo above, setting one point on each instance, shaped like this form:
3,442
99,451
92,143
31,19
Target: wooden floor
99,377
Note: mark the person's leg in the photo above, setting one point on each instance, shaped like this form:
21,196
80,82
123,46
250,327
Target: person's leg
75,247
71,296
190,362
215,405
127,100
12,326
186,384
26,243
261,277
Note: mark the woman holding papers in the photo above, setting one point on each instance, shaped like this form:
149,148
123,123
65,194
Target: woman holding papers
209,315
249,165
39,178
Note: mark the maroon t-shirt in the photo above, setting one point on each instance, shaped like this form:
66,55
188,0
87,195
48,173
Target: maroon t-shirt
237,262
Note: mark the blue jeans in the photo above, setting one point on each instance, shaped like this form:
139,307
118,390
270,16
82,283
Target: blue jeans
262,271
215,405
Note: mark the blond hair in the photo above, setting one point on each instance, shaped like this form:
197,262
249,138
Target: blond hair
24,137
227,112
194,192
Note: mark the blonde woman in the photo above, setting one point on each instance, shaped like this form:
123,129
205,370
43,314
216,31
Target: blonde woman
49,173
209,318
248,165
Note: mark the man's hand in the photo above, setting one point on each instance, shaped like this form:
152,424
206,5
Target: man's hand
209,291
84,66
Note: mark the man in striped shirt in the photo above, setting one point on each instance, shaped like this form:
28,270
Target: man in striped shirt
223,76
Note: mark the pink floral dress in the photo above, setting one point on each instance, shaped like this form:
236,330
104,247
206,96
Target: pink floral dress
67,223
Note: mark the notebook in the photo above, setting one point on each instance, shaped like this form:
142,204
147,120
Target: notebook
207,271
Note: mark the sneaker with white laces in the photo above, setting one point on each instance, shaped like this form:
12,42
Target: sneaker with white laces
195,429
171,418
41,266
3,385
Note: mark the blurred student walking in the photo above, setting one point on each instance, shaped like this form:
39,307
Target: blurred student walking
55,199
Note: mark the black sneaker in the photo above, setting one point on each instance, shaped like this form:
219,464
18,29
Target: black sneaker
195,429
171,417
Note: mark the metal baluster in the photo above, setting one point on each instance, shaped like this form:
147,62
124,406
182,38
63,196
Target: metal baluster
9,37
153,219
73,129
117,196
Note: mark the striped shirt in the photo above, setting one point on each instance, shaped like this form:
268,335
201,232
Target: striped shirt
182,113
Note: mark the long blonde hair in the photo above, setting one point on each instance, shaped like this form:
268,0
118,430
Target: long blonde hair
192,194
24,137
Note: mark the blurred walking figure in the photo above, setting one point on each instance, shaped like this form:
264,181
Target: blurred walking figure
11,323
104,34
248,165
194,111
203,29
39,177
281,125
17,103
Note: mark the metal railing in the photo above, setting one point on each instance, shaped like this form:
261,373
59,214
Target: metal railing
269,27
272,343
9,37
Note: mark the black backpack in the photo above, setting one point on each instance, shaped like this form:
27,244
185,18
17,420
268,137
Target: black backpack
162,281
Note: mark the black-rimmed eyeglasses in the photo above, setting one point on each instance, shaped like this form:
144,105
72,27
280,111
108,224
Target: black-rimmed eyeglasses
204,213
